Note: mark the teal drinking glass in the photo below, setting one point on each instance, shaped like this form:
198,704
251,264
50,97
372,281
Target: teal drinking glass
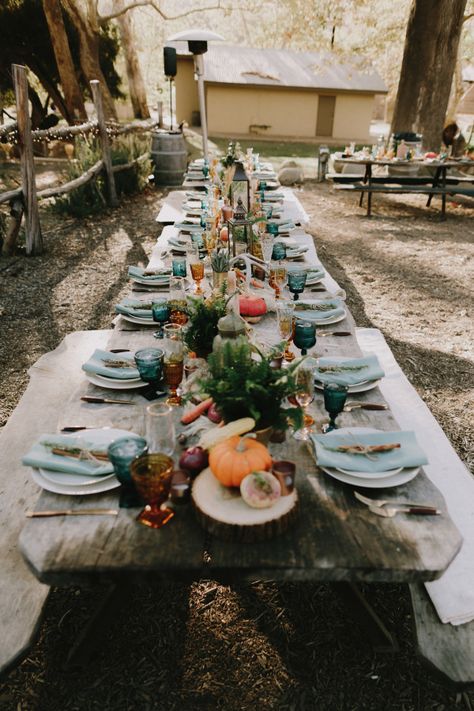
305,335
178,265
272,227
297,282
149,362
279,250
334,400
161,314
121,454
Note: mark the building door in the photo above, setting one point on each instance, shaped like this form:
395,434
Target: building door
325,119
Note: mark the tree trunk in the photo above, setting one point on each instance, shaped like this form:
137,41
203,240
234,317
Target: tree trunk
72,93
136,84
429,59
84,17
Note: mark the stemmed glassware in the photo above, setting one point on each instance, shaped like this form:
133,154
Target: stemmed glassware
277,278
197,271
285,314
304,396
297,282
149,362
334,400
305,335
161,314
177,301
173,361
151,474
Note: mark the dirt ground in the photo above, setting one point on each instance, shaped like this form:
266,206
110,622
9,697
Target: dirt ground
266,645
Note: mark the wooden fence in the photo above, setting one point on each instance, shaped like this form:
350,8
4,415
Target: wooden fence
24,200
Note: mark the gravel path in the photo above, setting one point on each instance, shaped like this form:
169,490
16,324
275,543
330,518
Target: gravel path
266,645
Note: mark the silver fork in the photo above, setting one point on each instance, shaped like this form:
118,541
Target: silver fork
382,502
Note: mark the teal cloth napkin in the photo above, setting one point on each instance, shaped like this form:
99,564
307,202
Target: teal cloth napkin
315,273
370,370
187,227
41,456
127,307
308,314
96,364
269,194
409,454
162,278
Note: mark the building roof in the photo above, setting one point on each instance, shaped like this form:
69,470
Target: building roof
226,64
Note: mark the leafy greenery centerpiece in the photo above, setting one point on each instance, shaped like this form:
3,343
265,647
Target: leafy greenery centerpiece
203,317
243,386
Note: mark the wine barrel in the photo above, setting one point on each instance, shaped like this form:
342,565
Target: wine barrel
169,156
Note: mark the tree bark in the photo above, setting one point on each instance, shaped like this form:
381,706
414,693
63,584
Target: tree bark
429,60
136,85
72,93
83,14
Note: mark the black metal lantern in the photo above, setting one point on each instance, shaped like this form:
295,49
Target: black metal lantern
239,188
240,227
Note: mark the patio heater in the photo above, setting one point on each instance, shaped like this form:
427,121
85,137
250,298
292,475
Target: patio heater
197,44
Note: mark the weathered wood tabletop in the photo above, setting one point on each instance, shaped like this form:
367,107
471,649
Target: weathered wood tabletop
334,538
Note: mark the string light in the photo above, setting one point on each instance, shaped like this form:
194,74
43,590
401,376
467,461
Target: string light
113,130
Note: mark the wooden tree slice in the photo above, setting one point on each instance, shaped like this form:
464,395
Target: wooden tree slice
222,512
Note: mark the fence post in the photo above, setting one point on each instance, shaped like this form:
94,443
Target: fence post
34,239
104,142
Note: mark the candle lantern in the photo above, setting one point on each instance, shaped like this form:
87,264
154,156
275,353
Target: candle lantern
240,228
239,188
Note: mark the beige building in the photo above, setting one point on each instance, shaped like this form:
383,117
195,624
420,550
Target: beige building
279,94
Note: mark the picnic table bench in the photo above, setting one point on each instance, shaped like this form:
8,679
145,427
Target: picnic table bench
335,540
440,183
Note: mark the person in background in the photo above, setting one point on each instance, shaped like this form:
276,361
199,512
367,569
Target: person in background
453,139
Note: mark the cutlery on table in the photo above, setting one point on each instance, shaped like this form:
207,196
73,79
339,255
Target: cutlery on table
72,512
391,511
348,407
322,334
112,401
78,428
119,350
382,502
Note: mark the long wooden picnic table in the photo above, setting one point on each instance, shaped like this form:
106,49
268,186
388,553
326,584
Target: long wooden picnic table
334,538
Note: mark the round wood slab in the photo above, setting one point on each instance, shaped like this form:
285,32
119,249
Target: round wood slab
222,512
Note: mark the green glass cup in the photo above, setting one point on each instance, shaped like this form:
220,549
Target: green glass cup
161,314
149,362
121,454
296,282
178,265
334,400
305,335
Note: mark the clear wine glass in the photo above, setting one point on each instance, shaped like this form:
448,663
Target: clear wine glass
304,396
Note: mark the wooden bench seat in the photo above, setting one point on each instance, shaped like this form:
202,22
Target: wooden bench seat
22,597
447,649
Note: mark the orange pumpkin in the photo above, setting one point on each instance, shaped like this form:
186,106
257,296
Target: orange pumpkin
252,308
231,460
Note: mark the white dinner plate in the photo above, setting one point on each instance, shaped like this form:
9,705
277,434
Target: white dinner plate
73,479
370,475
78,490
402,477
110,384
112,381
138,319
353,389
150,282
335,319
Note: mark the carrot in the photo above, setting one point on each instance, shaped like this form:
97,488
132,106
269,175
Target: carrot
257,284
193,414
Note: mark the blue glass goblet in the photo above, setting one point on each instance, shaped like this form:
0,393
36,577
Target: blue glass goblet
297,282
121,454
262,188
272,227
305,335
179,266
205,168
149,362
334,400
161,314
279,251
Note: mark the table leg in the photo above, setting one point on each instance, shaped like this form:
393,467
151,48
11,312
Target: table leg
434,184
367,176
92,634
361,610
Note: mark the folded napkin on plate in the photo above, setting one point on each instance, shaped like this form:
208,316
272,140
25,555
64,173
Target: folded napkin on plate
318,309
409,454
350,371
135,307
273,194
41,456
178,243
159,275
315,273
96,364
188,227
296,252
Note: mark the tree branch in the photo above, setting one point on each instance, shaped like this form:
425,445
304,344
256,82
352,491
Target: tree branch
103,19
467,17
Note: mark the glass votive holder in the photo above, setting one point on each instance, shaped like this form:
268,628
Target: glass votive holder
285,472
121,454
296,282
178,265
149,362
278,251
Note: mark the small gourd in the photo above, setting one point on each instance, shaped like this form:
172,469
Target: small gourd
231,460
252,308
